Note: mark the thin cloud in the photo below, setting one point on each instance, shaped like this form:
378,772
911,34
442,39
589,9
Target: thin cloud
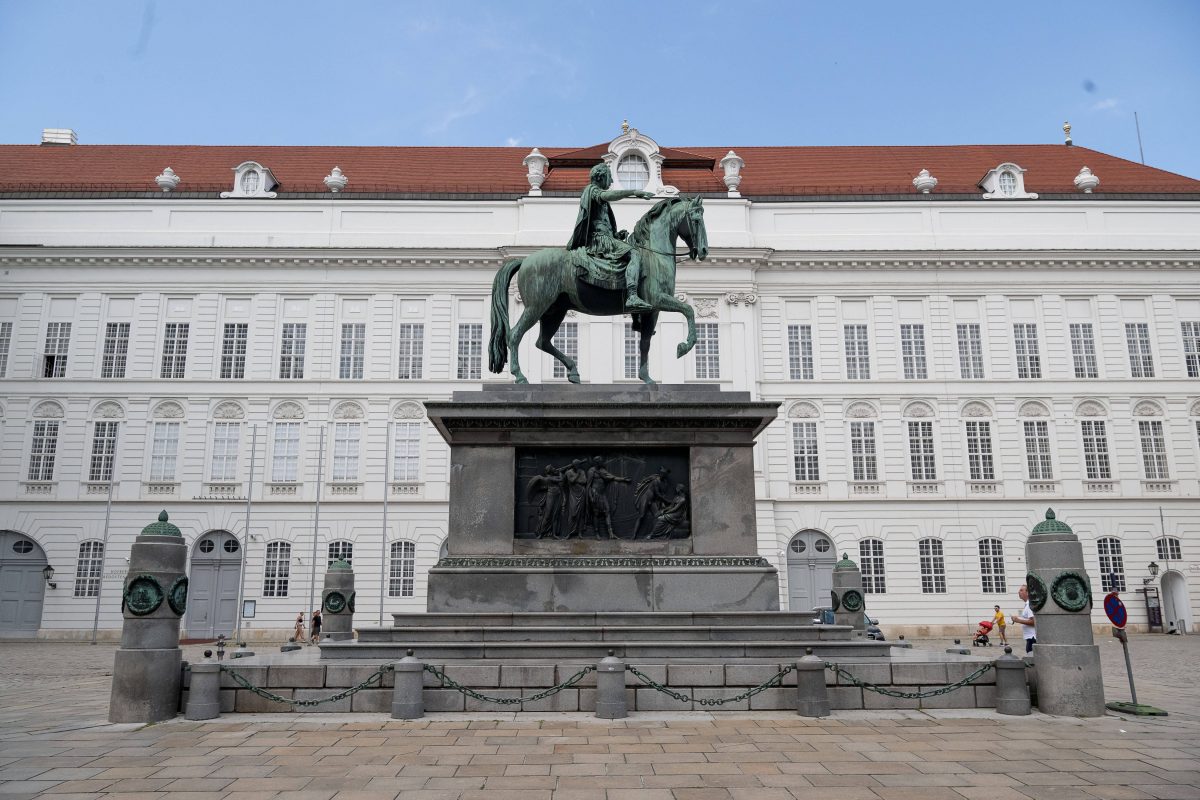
512,141
1108,104
470,105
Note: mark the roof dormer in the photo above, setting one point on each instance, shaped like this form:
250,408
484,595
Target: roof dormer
635,161
1006,182
251,179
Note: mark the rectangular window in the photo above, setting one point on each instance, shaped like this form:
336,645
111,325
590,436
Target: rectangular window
1191,348
566,339
42,451
979,451
970,351
292,344
175,347
164,451
1083,350
708,352
1112,564
354,348
1141,360
411,354
225,451
89,569
862,451
805,454
1154,450
912,349
1169,548
345,450
858,353
5,344
1095,450
800,352
277,569
406,452
632,352
285,453
1037,450
402,568
116,350
1029,360
991,566
340,551
233,350
104,449
870,560
933,566
921,456
54,356
470,351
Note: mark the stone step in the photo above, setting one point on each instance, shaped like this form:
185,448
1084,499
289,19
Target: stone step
615,633
662,652
604,619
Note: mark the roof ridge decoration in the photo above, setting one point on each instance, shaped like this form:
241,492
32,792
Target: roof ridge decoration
252,179
1085,181
167,179
336,180
924,182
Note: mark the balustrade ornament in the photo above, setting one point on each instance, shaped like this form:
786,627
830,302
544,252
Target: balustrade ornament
1085,181
336,180
732,163
924,182
535,165
167,180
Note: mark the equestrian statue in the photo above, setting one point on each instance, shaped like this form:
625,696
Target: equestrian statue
602,272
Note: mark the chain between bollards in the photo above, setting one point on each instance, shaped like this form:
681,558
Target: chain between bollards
870,687
342,695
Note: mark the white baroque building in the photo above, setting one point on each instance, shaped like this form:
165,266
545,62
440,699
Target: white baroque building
958,337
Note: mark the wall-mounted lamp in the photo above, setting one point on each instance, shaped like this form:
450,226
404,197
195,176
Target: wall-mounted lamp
1152,567
48,574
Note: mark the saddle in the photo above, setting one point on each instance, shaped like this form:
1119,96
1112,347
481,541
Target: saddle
595,271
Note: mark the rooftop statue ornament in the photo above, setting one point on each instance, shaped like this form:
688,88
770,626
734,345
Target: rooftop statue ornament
602,272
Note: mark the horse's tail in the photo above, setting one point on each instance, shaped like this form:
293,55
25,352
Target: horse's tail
498,347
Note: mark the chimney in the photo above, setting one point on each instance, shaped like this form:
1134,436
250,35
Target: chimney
58,136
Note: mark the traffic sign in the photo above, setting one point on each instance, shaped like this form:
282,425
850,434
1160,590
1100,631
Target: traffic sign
1115,610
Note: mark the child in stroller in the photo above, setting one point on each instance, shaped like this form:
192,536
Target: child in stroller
981,635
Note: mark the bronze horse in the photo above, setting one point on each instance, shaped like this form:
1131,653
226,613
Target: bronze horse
548,283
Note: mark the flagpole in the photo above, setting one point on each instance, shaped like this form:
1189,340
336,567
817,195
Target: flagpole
112,479
237,634
312,581
383,560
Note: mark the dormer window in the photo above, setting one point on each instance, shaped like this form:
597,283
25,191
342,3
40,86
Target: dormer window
633,172
1008,183
251,179
1005,182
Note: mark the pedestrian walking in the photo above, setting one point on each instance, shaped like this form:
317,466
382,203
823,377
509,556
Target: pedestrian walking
1000,624
314,628
1025,618
298,632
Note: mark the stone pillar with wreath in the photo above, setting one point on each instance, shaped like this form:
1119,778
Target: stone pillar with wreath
337,602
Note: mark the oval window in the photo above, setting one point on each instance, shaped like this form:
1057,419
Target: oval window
206,546
22,546
1008,184
798,546
633,172
250,182
231,546
822,545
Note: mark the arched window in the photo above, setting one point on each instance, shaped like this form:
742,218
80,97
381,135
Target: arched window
402,569
633,172
870,562
341,549
1008,183
278,568
933,566
1112,565
991,566
1169,549
89,569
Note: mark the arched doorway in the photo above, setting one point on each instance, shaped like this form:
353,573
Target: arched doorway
213,585
22,585
1177,609
810,560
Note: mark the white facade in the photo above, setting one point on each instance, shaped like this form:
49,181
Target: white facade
922,318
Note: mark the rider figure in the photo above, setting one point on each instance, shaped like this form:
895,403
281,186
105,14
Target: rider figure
596,229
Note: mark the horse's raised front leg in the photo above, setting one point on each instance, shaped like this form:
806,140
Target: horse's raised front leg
515,334
669,303
551,321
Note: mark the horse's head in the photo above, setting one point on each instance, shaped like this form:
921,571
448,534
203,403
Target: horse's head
690,227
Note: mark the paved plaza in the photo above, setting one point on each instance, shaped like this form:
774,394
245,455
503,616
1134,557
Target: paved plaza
54,742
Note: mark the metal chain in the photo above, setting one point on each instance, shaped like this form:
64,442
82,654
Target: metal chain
508,701
908,695
774,681
342,695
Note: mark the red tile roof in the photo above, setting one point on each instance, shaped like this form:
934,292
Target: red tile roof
769,171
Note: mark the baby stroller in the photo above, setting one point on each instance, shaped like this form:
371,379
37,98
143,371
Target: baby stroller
981,635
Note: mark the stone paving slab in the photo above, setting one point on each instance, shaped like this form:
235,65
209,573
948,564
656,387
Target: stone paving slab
55,743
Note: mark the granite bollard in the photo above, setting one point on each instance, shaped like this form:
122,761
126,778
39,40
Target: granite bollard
408,699
146,670
337,602
204,694
1066,659
812,698
1012,690
610,688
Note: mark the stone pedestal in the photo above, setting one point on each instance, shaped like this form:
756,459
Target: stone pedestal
848,598
602,498
146,670
337,602
1066,660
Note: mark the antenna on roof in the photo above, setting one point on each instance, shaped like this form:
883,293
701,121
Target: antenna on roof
1067,133
1141,152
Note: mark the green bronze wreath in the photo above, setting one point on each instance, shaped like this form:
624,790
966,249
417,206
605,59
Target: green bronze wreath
335,602
143,595
836,602
177,596
350,602
1070,590
852,600
1037,592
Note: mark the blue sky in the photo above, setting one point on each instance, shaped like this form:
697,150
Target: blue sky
565,73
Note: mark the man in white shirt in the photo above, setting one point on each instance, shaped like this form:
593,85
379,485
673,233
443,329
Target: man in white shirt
1025,618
